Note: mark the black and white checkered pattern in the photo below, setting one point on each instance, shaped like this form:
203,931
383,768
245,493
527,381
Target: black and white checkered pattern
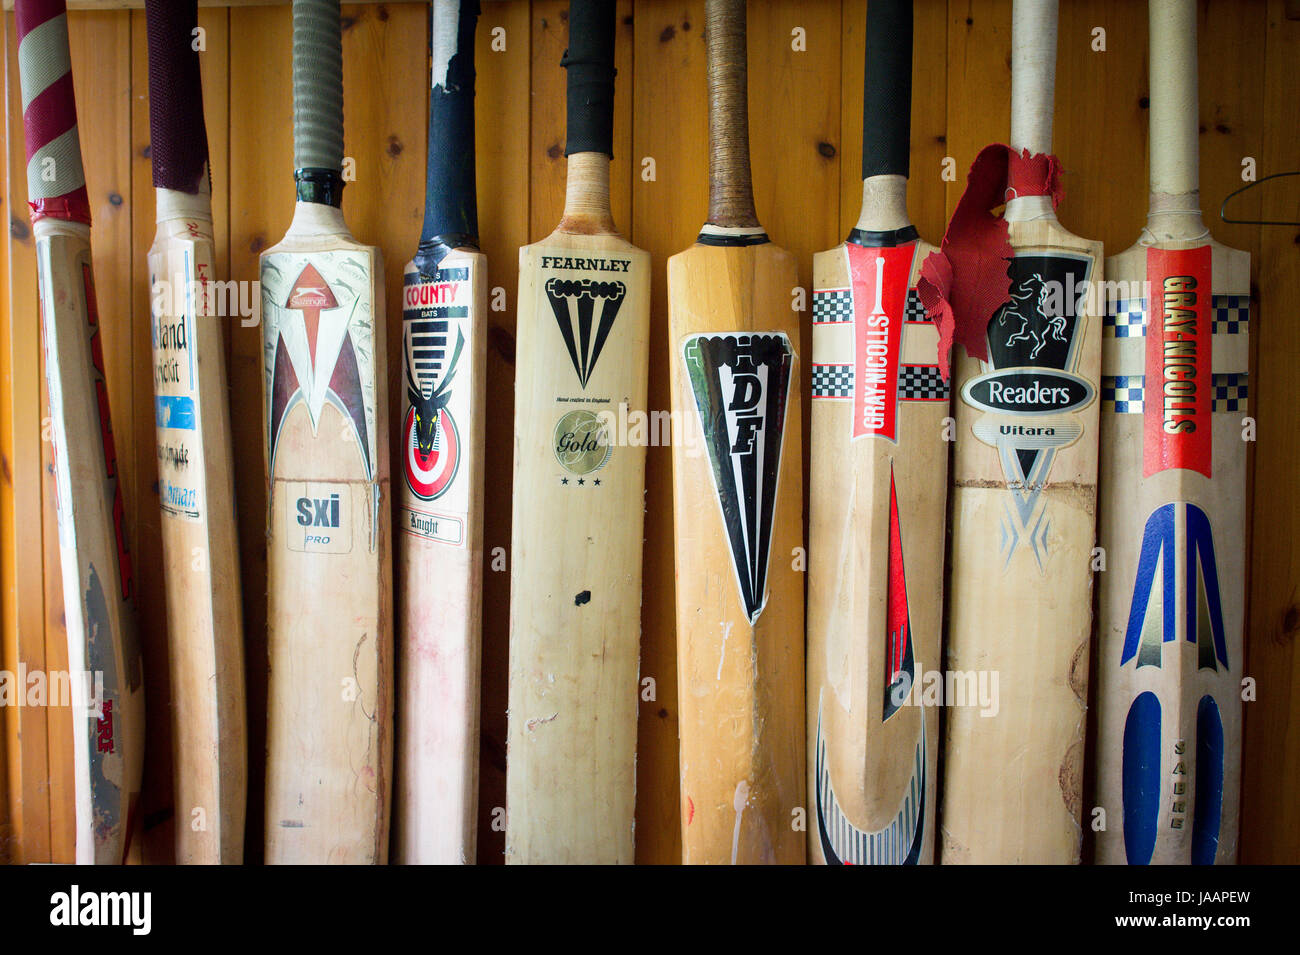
1122,393
914,311
832,381
1231,314
921,383
832,305
1230,393
1126,318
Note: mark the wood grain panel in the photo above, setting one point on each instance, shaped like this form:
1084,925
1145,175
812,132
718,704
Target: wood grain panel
261,206
979,83
1270,813
150,587
671,129
8,540
24,639
1102,150
501,103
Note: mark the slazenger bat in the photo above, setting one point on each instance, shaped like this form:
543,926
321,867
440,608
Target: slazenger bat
737,502
1023,512
575,584
1173,503
108,740
329,601
440,498
195,478
879,492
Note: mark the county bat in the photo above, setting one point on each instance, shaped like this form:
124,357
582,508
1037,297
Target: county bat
104,663
1023,513
877,504
737,502
196,488
1173,503
440,508
329,572
575,583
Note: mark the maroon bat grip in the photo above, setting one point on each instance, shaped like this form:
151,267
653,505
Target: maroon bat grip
178,138
56,180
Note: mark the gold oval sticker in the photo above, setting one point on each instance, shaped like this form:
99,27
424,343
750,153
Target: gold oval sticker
582,442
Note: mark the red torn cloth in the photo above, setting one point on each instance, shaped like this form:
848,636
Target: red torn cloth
966,281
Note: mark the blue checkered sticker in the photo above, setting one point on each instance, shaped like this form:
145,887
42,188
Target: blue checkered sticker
1230,393
1231,314
1126,318
1122,393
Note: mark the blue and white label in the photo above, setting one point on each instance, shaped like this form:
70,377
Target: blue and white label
176,401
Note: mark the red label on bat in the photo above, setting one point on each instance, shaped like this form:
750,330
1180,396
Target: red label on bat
104,730
1178,388
880,280
106,432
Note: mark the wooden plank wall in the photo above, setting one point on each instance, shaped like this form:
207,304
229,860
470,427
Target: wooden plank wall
806,128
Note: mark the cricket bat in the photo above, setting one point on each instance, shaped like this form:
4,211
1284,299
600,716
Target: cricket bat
878,500
104,663
329,572
737,502
440,502
1173,503
1023,516
196,487
575,582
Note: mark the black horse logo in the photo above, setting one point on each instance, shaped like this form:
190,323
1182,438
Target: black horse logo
429,407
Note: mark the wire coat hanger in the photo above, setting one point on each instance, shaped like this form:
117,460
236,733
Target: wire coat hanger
1247,188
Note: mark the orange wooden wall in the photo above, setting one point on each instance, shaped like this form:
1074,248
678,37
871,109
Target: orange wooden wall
806,129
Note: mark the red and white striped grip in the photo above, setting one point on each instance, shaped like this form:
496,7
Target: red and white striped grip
56,180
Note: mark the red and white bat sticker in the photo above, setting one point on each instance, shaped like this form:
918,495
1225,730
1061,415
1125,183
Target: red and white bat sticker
1178,389
439,378
880,280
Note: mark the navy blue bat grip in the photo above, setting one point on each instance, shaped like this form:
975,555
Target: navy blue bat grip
450,201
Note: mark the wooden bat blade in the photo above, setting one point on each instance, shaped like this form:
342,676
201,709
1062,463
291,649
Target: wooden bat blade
1172,526
440,558
1023,530
329,606
737,486
103,648
196,490
875,558
575,604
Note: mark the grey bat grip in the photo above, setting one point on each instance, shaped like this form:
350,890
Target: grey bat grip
317,85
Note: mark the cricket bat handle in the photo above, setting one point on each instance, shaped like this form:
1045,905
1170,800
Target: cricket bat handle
178,139
589,142
56,180
450,212
1174,152
317,100
1033,74
731,190
589,63
887,89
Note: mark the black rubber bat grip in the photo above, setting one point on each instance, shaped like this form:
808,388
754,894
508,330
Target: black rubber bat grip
590,62
887,93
